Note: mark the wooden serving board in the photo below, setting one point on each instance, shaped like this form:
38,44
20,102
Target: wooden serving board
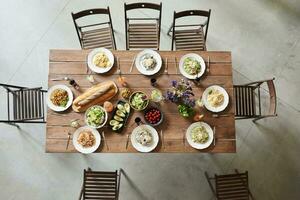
73,64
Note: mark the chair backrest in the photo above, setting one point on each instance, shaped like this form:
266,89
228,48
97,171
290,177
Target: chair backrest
232,186
24,105
89,12
134,6
247,98
188,13
100,185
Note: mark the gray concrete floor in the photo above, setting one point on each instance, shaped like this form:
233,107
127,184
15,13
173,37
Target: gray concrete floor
263,36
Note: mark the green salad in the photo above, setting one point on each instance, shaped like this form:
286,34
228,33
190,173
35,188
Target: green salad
199,134
139,101
191,66
95,116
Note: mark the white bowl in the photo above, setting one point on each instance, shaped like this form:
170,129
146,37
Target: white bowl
143,70
196,57
95,68
82,149
199,145
59,108
105,117
142,148
206,103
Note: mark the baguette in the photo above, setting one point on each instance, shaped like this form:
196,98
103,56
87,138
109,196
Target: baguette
97,94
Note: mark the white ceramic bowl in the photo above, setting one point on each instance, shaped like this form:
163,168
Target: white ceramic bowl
199,145
207,104
142,148
196,57
82,149
143,70
95,68
105,117
59,108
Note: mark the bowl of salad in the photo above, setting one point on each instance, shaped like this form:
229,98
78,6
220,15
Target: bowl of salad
192,66
138,101
96,117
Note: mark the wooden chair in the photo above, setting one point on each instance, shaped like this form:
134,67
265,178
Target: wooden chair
246,101
95,35
145,34
231,186
100,185
189,37
24,105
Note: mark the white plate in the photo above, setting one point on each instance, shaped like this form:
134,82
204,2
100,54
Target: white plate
140,147
105,117
59,108
143,70
96,69
199,145
206,103
196,57
79,147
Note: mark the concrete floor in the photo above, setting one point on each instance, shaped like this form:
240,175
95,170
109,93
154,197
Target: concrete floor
263,36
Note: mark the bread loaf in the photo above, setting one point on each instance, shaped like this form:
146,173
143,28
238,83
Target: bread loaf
97,94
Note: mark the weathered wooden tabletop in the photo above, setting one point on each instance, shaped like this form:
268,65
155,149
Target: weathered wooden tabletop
73,64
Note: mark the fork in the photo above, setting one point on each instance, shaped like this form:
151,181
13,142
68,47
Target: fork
176,65
208,64
214,131
105,141
222,115
69,137
131,67
166,66
127,141
60,79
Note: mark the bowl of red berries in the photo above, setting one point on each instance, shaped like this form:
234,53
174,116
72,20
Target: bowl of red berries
153,116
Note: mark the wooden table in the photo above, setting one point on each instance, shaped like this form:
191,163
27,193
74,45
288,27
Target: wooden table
72,63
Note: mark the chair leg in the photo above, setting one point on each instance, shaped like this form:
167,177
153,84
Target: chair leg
119,180
81,193
12,124
210,185
170,30
258,118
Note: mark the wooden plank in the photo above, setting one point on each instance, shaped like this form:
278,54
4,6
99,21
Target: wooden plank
81,55
79,68
72,63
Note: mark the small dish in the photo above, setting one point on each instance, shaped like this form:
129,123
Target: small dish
200,145
79,147
153,116
208,105
148,55
136,101
93,114
55,107
95,52
196,58
144,148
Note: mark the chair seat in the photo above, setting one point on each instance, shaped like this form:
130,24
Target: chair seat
28,104
245,101
233,187
100,185
143,36
101,37
190,39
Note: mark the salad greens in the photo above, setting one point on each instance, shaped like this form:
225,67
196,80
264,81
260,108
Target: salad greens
139,101
191,66
185,111
199,134
95,116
